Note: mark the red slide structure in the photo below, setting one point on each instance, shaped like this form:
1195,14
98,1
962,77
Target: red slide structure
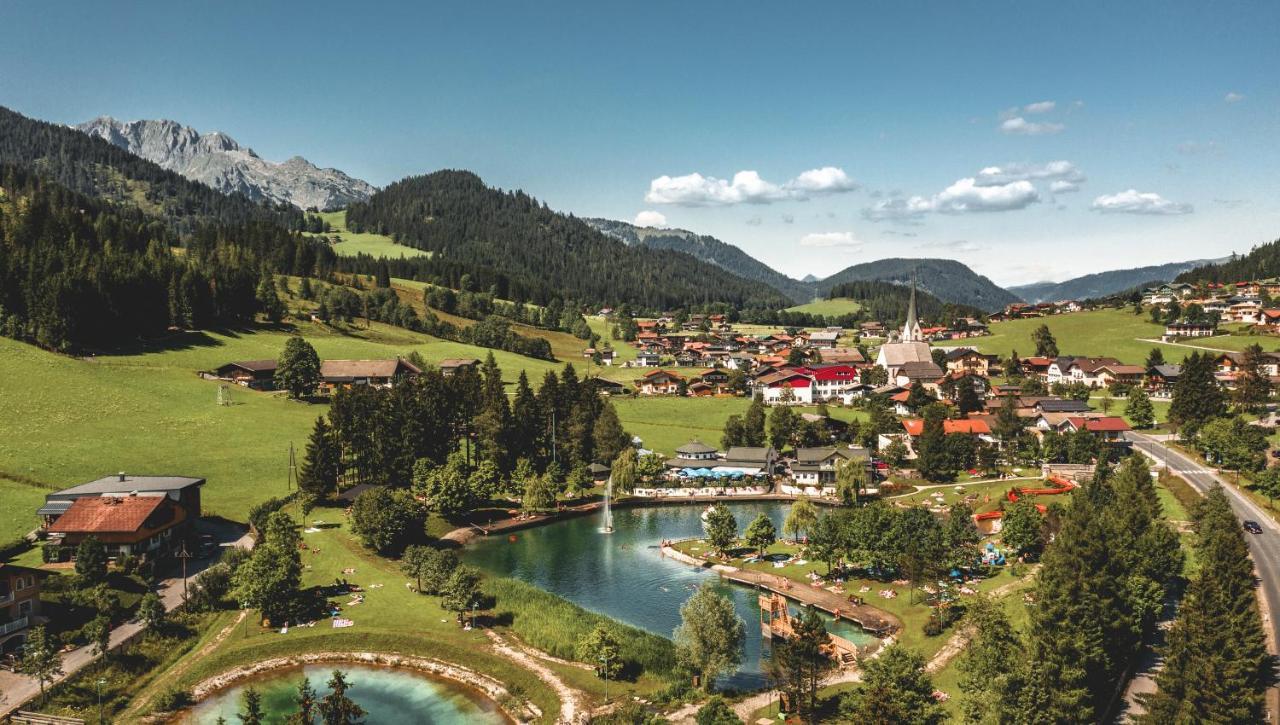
1059,485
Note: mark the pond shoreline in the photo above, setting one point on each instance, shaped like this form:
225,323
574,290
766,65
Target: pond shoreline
464,535
877,621
489,687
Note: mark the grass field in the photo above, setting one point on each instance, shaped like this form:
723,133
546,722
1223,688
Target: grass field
376,245
830,308
65,420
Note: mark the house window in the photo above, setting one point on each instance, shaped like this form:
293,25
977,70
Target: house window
24,608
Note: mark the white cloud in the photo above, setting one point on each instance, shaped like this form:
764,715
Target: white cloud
1039,107
650,218
1019,126
898,209
964,196
956,246
1063,187
967,196
830,239
746,187
827,180
1052,171
1233,97
1133,201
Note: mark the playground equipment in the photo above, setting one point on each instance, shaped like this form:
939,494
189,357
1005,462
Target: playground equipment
989,521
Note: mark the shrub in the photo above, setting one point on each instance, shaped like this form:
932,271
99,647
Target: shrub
174,698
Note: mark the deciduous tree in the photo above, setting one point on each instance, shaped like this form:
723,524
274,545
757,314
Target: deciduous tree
710,636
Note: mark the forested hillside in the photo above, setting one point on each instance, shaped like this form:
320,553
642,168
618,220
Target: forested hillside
708,249
946,279
77,271
517,246
887,302
96,168
1103,284
1262,262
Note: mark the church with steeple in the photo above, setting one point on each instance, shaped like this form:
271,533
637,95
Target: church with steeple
910,357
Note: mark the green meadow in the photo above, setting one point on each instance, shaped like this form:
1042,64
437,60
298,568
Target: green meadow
67,420
830,308
1110,332
376,245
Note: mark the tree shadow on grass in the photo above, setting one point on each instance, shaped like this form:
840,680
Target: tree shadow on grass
192,339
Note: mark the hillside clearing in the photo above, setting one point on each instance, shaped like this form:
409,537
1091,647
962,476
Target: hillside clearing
376,245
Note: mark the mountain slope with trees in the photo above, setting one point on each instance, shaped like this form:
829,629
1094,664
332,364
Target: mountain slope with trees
946,279
1262,262
517,246
96,168
1104,284
708,249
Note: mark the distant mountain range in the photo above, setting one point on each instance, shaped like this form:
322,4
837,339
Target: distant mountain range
215,159
708,249
946,279
1102,284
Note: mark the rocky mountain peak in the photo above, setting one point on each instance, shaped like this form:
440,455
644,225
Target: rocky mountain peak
217,160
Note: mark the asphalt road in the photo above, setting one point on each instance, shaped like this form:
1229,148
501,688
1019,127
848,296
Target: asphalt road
1264,547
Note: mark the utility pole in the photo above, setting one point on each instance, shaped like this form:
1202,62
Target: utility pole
184,555
606,676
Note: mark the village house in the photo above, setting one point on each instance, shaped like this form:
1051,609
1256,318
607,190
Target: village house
447,367
1161,379
968,361
694,454
845,355
605,386
1037,367
926,373
786,387
132,515
750,460
1108,375
19,604
660,382
825,340
1078,370
913,428
1244,310
818,466
252,374
1176,330
337,374
1110,429
871,329
834,382
648,359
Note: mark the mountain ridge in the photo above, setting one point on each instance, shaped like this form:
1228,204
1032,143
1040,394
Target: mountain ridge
708,249
1103,284
219,161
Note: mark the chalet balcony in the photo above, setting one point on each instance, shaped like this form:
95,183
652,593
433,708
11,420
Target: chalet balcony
14,626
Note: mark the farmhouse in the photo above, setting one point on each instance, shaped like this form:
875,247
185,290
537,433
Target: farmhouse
253,374
825,340
453,366
793,387
969,361
335,374
1161,379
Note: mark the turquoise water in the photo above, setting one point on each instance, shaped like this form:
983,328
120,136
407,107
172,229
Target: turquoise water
387,695
622,574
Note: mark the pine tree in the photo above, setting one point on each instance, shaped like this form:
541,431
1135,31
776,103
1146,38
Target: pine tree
320,470
608,438
1197,399
251,708
1139,409
932,459
305,700
895,689
337,708
753,424
801,663
1253,386
1216,667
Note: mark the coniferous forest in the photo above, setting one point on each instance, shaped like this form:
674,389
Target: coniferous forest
512,243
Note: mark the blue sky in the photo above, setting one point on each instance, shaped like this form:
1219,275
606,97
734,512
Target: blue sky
1127,134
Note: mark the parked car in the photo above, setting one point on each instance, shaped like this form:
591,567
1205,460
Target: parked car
1252,527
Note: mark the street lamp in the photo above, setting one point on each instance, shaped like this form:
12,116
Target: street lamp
101,681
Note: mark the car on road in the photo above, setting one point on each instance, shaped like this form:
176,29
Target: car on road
1252,527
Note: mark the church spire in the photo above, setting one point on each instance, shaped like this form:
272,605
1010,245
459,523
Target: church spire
911,330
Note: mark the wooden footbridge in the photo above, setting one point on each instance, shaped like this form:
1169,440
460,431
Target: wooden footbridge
776,621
